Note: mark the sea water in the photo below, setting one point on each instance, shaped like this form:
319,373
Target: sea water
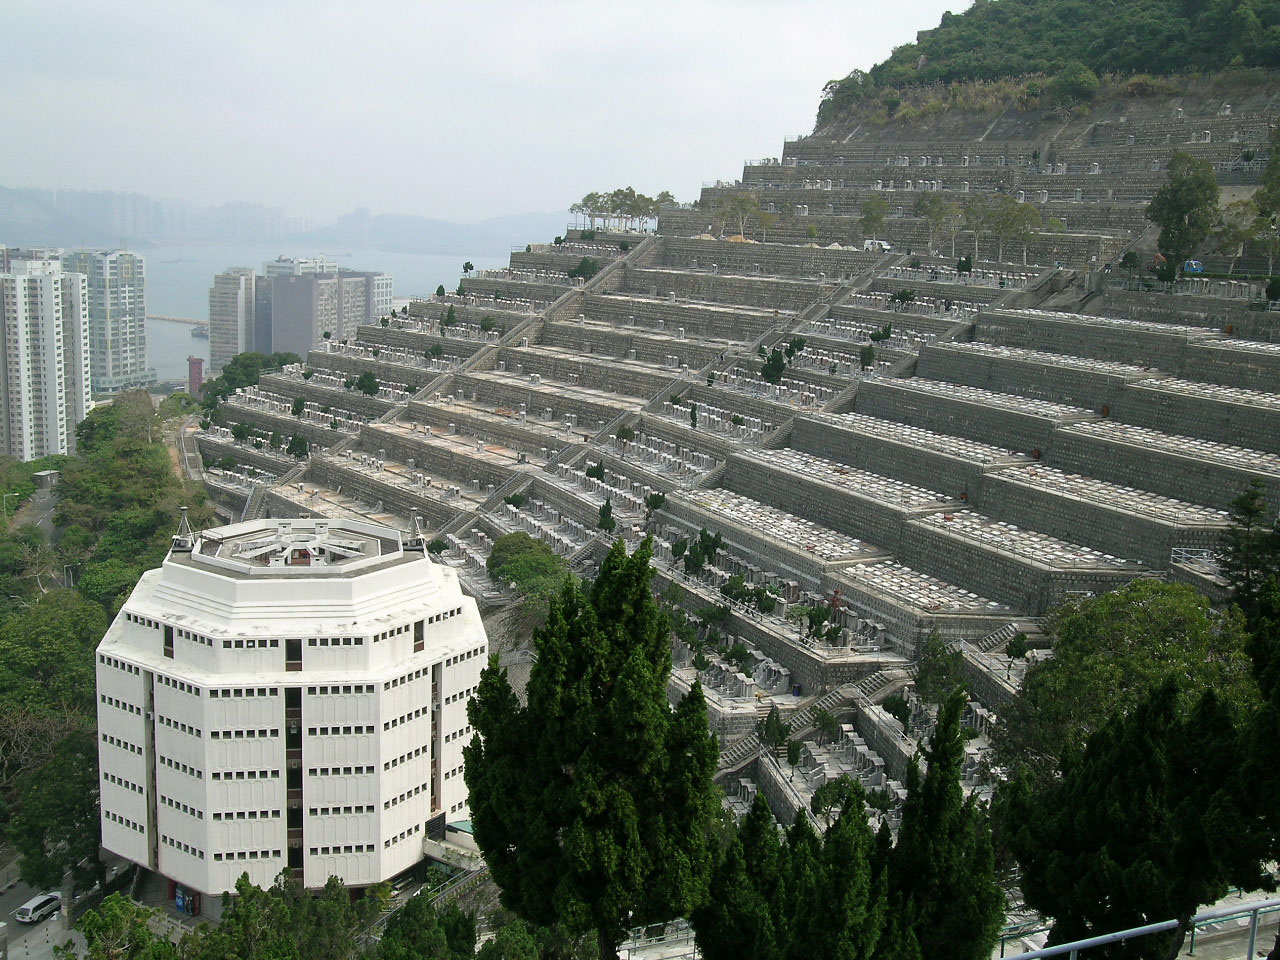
179,278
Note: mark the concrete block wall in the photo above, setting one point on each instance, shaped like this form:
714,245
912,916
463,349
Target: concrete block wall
651,314
653,349
892,400
1213,313
1092,390
432,459
951,475
287,426
1097,525
626,378
740,403
775,259
789,296
414,377
510,393
508,431
265,460
352,400
1233,365
513,289
1063,334
1164,472
335,473
1247,425
997,574
842,510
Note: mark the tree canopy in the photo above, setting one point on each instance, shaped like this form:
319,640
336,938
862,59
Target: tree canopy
1110,652
1068,41
591,803
1185,207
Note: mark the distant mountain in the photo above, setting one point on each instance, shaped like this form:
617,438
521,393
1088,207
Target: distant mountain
407,233
25,222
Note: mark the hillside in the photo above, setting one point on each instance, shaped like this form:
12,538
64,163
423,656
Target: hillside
1068,44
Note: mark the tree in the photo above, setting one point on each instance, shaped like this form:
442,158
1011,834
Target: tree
299,404
1235,227
1268,197
54,824
943,893
939,671
874,210
367,383
976,214
1012,222
827,726
867,357
1075,84
933,210
1251,548
774,731
605,521
119,929
1185,207
468,267
740,208
773,367
591,804
418,930
440,292
1140,817
298,446
1108,653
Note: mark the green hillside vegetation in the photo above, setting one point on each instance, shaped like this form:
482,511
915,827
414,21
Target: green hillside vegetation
118,507
1068,44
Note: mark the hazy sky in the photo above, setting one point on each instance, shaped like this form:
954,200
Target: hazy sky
458,110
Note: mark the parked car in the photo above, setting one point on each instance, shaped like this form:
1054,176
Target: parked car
877,246
1192,266
38,907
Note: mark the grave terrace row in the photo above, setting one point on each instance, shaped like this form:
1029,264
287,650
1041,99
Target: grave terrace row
822,559
319,423
1075,439
388,361
1111,517
449,415
396,486
713,323
699,287
1126,392
598,338
774,259
578,409
911,234
625,377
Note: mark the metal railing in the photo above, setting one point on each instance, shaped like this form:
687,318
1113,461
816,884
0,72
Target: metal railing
1252,911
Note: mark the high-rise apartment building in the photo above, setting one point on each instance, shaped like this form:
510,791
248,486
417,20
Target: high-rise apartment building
231,316
304,306
44,359
286,693
117,289
298,266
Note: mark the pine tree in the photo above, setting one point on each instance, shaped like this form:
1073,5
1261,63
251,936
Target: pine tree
591,804
942,872
1251,548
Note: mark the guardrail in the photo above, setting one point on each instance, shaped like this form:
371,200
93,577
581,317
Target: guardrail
1252,911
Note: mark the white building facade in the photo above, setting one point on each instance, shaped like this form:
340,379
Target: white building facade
286,693
44,358
117,287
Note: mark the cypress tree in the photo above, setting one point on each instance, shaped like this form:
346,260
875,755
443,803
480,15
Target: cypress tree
945,902
592,803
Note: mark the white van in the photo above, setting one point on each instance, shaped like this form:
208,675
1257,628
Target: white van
876,246
38,907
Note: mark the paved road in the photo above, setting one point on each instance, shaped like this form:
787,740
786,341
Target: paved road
38,510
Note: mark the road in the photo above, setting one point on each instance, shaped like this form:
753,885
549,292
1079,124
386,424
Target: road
39,511
34,941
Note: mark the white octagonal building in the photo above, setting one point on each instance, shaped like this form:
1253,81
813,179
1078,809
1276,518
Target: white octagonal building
286,693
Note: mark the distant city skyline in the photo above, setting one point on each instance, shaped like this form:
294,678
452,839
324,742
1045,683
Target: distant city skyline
460,113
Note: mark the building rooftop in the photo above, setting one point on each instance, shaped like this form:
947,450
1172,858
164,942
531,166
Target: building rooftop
307,547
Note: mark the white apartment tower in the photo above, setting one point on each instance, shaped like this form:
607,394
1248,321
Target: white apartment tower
286,693
44,359
231,316
117,288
